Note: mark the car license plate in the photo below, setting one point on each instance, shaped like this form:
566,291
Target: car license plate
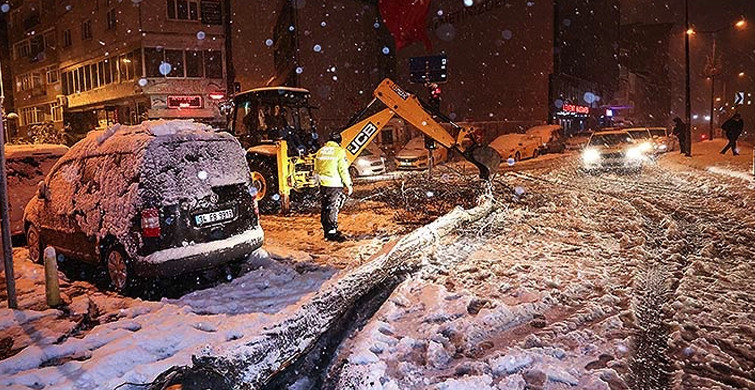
406,163
217,216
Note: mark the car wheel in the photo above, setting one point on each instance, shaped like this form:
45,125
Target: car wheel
517,156
265,180
353,172
34,244
118,269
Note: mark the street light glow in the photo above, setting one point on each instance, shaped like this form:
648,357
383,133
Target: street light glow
741,74
741,24
690,31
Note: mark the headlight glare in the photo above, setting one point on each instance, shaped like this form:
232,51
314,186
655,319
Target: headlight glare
590,156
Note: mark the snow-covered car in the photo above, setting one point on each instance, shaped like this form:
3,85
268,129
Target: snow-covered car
26,166
614,150
551,138
517,146
369,163
642,136
414,155
664,141
577,141
158,199
656,137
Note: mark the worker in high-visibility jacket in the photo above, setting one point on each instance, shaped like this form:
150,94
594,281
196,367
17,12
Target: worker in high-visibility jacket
332,170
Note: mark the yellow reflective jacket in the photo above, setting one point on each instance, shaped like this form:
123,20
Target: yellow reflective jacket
331,166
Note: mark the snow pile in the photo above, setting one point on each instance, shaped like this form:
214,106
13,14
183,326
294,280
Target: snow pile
141,339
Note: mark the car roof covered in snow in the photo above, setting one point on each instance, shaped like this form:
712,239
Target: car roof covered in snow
613,131
23,151
543,129
136,139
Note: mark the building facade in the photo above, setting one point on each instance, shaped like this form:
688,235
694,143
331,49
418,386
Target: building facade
508,62
33,60
94,63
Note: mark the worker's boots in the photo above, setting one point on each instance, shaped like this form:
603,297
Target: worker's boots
337,237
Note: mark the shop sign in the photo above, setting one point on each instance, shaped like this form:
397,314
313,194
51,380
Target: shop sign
184,101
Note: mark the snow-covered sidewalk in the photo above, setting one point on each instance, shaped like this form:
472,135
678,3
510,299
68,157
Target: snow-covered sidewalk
706,156
102,340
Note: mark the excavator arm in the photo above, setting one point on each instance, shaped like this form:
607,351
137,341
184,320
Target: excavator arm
407,106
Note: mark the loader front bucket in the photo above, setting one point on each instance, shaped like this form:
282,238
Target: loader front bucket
486,159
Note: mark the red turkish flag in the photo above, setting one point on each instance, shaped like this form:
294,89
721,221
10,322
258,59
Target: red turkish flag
405,20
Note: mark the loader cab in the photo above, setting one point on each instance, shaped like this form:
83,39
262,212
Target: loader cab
264,115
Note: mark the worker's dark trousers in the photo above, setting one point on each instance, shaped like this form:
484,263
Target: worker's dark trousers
731,145
332,200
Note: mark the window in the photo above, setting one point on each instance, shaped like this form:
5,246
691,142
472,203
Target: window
87,77
86,29
211,11
213,64
153,57
57,113
50,40
111,19
136,57
183,9
176,60
80,80
107,74
53,75
36,80
95,76
67,38
32,115
194,64
22,49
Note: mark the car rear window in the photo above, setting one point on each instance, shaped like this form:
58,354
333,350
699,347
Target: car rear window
183,169
641,134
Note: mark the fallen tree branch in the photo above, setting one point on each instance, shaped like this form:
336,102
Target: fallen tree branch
251,365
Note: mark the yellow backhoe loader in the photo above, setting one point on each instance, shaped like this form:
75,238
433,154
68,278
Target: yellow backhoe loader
276,126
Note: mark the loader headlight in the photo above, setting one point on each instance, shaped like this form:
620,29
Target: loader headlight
635,153
590,156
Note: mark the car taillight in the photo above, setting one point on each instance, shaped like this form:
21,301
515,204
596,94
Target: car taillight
151,223
256,207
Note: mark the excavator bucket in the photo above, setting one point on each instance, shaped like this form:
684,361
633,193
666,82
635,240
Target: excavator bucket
486,159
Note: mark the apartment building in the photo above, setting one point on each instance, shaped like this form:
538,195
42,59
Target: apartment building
33,44
127,61
85,64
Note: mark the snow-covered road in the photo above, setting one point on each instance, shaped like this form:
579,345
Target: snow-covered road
576,281
596,282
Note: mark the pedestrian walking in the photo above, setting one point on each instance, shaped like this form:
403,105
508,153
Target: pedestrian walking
680,131
733,129
332,170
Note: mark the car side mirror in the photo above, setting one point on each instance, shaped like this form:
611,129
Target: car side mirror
42,190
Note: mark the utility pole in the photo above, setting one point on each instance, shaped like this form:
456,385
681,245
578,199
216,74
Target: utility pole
713,73
10,281
688,95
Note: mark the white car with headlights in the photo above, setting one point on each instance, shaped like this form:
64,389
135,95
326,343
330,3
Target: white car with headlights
615,150
654,137
369,163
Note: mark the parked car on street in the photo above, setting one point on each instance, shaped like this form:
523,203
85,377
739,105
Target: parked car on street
158,199
551,138
655,137
369,163
614,150
664,139
26,166
517,146
414,155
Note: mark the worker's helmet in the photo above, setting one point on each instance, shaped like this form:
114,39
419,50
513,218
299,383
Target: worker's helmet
335,136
